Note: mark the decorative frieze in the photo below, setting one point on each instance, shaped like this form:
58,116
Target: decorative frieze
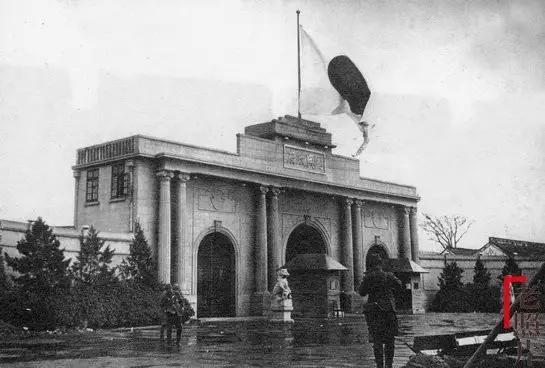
217,199
376,218
303,159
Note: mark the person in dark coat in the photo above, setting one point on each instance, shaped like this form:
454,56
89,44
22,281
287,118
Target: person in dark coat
184,311
170,308
380,312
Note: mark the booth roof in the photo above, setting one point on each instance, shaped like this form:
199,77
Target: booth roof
313,262
402,265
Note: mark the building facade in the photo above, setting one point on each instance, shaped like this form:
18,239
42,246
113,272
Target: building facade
529,256
221,223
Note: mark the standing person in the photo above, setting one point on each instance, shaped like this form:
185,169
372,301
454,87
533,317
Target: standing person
380,312
168,313
181,305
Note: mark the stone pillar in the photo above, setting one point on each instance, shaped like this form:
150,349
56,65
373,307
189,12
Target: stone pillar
163,258
274,246
77,176
357,237
347,280
414,235
261,298
183,276
405,249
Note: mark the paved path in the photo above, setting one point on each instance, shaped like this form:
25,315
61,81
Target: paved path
307,343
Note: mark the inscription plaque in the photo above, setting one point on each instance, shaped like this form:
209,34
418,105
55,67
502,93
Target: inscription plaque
302,159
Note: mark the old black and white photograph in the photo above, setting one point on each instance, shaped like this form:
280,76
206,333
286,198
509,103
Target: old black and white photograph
283,183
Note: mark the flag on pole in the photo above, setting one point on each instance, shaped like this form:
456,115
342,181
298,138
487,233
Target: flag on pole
332,86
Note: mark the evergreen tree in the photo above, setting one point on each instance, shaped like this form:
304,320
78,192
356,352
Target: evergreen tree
92,266
42,266
481,276
4,281
139,265
510,268
451,277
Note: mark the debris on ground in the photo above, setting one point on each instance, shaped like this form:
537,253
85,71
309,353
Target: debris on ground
8,329
426,361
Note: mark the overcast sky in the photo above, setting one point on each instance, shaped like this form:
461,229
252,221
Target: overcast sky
458,93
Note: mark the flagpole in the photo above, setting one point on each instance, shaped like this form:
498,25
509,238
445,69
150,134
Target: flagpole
298,67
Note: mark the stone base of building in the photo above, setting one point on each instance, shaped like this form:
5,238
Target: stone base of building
260,304
351,302
281,310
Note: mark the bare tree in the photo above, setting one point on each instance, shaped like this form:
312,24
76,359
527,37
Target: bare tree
446,230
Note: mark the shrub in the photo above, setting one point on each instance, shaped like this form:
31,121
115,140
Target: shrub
95,307
452,300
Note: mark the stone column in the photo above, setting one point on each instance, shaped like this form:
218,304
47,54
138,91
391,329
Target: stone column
405,249
77,175
183,276
260,299
358,247
414,235
274,246
347,280
163,258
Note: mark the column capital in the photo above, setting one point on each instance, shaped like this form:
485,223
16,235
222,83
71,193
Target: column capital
76,174
263,189
348,202
405,210
164,175
413,211
358,203
275,191
183,177
129,164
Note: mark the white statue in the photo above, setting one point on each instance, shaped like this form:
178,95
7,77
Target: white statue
281,289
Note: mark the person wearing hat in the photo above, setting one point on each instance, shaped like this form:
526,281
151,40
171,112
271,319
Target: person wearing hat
380,312
168,311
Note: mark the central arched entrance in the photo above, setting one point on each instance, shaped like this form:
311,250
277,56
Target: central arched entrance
304,239
216,277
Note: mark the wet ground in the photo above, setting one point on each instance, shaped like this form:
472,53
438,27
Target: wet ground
257,343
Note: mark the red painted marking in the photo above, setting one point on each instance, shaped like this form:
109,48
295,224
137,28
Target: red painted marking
507,281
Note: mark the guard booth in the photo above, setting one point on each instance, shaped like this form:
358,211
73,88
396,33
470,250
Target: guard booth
411,299
315,284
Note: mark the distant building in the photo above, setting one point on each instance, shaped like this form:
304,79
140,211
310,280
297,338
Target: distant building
528,255
221,223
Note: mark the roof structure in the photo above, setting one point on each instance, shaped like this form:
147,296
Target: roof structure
402,265
461,251
305,262
516,248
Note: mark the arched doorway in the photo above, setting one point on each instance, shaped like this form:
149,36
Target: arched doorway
304,239
378,250
216,277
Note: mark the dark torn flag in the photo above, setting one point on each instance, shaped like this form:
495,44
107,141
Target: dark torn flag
346,78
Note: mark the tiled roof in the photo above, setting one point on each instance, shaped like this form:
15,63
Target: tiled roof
518,248
461,251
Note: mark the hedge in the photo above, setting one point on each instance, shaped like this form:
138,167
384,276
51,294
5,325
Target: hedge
118,305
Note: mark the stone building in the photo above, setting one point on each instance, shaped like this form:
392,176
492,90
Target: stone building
221,223
528,255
